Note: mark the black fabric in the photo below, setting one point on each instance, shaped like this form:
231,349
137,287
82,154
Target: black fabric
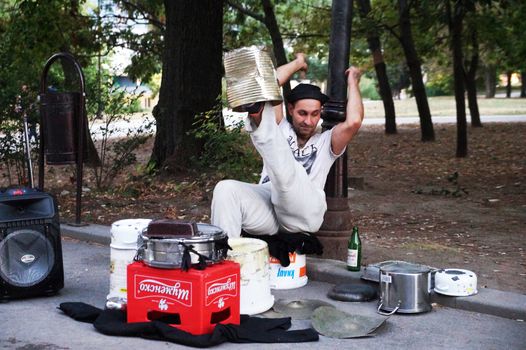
283,243
306,91
80,311
250,330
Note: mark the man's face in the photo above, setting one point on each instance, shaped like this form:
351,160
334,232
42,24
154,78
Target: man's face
305,114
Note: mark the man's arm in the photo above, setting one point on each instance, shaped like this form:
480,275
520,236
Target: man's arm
284,73
344,132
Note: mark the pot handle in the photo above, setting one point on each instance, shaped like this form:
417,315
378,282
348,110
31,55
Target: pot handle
387,313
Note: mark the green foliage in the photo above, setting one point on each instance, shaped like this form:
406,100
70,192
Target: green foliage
439,85
368,88
116,145
147,46
227,153
30,32
304,25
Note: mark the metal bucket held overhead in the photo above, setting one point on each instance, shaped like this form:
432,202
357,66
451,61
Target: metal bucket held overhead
250,77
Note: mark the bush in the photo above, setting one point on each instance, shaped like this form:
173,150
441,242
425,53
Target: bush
227,153
368,88
440,85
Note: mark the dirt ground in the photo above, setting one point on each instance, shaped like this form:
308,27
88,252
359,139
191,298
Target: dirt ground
413,207
412,201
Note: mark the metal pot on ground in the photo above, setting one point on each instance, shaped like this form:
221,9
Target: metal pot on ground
404,289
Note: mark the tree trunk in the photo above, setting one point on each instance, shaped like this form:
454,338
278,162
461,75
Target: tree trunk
191,78
275,35
415,71
490,80
523,84
456,19
381,73
471,85
508,84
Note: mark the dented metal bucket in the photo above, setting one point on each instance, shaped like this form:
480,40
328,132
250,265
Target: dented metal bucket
250,77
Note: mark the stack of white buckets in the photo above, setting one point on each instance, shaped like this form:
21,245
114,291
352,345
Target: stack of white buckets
259,272
124,235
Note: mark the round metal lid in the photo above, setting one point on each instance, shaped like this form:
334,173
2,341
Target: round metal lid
299,309
205,233
404,268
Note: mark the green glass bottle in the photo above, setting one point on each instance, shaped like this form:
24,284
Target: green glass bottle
354,251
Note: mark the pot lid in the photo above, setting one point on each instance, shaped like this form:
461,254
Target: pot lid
456,282
405,268
171,231
334,323
372,271
299,309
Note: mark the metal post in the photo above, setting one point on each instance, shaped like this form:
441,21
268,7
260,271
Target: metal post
337,226
81,121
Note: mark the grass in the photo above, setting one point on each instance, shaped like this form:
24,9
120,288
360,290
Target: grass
445,106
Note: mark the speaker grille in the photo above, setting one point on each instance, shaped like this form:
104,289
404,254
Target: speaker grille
26,257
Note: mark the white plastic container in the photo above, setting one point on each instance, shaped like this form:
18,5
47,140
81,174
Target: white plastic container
290,277
124,234
253,257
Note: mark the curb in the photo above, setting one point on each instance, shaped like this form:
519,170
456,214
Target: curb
487,301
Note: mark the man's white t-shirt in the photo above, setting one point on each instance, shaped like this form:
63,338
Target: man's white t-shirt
316,155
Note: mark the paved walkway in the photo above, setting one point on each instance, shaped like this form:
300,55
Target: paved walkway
36,323
487,301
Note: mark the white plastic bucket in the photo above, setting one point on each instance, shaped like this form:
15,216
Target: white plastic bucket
124,235
253,257
292,276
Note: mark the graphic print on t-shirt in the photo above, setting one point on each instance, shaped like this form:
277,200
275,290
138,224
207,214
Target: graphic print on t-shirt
305,156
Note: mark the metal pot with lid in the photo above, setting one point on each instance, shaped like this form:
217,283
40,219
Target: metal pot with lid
404,289
165,243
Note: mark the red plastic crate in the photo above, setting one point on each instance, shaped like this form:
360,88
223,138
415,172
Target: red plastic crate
193,301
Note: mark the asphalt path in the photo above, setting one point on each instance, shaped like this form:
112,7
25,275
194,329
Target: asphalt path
37,323
121,128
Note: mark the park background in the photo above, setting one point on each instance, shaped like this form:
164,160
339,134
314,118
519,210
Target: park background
443,194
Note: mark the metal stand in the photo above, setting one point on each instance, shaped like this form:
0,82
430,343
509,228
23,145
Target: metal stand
337,227
63,124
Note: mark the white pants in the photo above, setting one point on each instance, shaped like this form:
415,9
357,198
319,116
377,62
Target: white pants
289,202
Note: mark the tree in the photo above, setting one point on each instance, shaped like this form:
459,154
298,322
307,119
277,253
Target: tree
191,80
456,18
147,45
471,66
270,22
415,71
27,39
381,72
302,25
470,80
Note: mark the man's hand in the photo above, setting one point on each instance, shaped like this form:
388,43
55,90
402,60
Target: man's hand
285,72
344,132
353,76
301,62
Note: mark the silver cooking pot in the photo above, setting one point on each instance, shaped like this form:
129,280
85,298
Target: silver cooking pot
167,251
404,289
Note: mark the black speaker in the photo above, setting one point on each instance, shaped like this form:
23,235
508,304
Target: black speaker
30,244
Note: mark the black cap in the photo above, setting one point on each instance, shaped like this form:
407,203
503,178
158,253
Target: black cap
306,91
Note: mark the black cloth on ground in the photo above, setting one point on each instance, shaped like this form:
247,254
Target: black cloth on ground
250,330
283,243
